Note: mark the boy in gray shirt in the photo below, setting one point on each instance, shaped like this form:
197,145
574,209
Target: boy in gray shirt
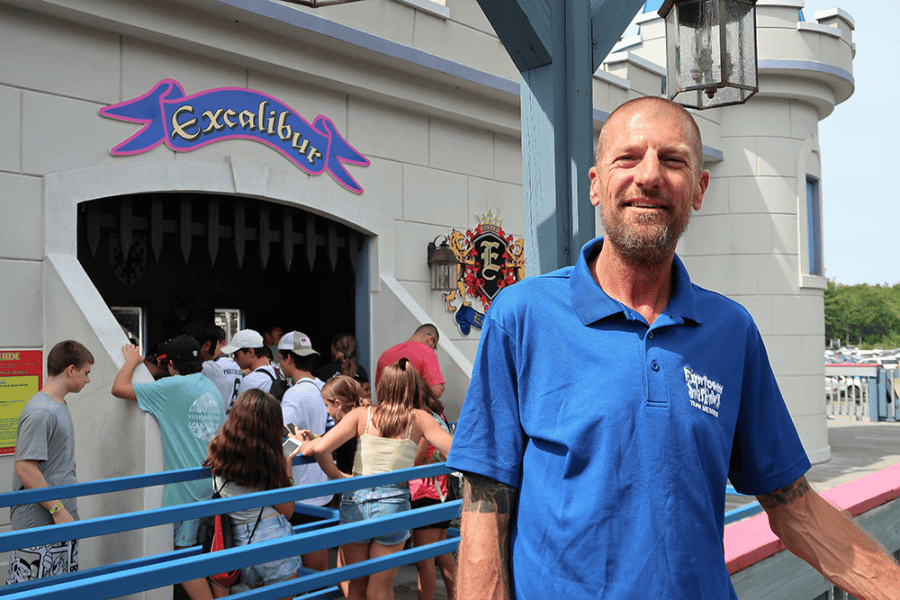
45,456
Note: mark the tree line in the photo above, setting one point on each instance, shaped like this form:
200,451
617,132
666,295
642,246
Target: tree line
863,315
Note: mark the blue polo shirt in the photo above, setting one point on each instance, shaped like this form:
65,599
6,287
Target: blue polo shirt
620,436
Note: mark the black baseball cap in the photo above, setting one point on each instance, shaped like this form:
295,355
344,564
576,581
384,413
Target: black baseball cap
179,348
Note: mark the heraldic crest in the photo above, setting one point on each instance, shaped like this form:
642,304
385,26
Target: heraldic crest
489,260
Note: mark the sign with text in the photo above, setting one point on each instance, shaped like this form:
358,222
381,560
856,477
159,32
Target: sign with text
20,379
184,123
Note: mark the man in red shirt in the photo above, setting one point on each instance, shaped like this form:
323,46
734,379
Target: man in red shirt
420,351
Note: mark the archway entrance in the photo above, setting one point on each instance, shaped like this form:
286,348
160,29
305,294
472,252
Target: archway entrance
163,260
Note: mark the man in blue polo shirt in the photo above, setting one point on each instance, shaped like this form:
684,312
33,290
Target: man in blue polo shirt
606,478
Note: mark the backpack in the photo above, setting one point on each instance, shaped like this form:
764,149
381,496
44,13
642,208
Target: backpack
215,533
279,384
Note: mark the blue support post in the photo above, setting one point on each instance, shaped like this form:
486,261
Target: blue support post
557,45
877,407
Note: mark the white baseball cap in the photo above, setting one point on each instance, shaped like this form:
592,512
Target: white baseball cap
298,343
245,338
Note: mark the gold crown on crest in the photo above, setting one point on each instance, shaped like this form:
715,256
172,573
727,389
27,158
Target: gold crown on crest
489,221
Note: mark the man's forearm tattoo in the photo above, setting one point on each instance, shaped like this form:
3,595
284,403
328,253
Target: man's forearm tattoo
488,504
485,495
785,495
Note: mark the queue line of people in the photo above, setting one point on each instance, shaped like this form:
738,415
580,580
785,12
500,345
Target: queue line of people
217,411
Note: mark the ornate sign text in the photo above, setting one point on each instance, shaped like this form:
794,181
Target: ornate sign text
185,123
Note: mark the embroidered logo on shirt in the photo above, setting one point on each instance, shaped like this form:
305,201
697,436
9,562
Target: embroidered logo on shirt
704,393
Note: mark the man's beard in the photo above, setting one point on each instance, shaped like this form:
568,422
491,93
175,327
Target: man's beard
649,241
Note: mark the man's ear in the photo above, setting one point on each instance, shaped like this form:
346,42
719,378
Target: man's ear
205,348
702,184
595,186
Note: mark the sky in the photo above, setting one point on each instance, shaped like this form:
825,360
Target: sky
861,198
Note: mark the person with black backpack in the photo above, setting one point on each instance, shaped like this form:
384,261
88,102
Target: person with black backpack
249,352
302,407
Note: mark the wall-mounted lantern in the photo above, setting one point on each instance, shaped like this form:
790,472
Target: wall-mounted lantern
710,51
443,263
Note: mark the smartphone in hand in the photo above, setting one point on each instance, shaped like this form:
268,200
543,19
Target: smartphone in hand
290,445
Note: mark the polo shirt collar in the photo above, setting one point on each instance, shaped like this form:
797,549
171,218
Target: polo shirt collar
592,303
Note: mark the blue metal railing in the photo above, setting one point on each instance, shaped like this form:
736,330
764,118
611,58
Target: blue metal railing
742,512
145,573
141,574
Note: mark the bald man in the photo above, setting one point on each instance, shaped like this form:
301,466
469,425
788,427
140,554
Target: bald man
610,402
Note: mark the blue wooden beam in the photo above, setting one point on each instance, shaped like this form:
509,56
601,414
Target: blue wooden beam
556,143
557,45
524,28
610,18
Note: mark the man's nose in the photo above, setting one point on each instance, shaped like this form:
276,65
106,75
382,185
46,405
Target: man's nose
647,172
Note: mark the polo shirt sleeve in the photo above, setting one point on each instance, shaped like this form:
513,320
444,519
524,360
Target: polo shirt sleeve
767,453
489,439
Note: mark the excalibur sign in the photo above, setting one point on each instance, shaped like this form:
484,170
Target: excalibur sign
185,123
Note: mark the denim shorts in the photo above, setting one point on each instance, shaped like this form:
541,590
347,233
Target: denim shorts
381,501
270,528
186,533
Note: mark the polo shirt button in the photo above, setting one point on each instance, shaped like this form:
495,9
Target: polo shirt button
650,335
654,365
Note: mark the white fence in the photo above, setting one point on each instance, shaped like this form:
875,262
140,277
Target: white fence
862,392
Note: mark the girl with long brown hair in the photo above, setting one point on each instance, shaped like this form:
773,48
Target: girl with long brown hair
388,437
246,457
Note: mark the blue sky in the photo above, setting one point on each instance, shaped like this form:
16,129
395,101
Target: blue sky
861,207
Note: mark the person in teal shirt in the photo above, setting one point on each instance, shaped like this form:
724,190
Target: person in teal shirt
189,410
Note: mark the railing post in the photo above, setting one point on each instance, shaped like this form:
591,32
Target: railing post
893,409
878,411
873,399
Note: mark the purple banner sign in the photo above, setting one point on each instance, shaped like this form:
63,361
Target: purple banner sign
185,123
